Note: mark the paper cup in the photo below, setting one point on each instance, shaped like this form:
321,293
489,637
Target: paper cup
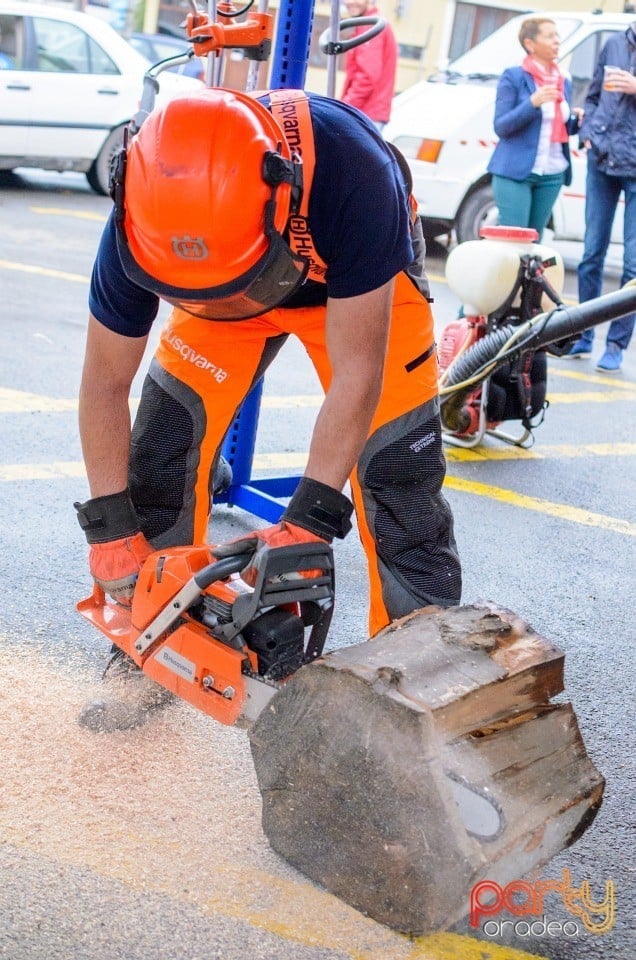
608,77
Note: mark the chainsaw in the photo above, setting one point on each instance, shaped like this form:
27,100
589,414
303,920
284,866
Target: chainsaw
199,630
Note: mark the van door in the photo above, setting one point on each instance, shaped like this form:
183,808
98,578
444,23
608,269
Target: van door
15,92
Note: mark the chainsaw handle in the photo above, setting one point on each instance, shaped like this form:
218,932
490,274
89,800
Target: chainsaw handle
221,569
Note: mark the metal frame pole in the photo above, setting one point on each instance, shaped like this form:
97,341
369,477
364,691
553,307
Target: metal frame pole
260,497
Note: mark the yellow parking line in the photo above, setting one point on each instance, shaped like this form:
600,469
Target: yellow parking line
21,401
19,472
591,396
43,271
560,511
77,214
56,470
543,452
296,460
449,946
617,384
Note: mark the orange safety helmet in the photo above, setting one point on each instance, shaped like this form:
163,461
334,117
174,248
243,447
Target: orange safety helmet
203,194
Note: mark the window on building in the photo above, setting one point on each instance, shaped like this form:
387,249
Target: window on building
409,51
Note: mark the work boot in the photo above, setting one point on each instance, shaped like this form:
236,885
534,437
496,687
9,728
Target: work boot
582,348
611,360
131,697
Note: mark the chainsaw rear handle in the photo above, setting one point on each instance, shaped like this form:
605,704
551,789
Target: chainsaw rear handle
274,587
333,48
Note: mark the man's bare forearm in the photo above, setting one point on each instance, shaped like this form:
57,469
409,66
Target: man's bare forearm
357,331
110,364
104,420
340,433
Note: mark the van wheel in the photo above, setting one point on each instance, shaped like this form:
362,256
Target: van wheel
99,174
477,211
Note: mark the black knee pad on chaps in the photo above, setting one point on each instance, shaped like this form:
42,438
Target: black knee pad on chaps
401,473
164,457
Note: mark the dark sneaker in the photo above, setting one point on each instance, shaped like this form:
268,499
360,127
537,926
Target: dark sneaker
131,697
222,477
582,348
611,360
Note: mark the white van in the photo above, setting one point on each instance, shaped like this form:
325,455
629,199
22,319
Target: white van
444,126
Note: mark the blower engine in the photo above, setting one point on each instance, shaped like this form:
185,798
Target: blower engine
505,278
493,359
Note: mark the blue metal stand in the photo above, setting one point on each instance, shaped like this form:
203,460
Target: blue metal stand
260,497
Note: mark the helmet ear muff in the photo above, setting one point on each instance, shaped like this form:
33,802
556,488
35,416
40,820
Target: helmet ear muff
278,169
117,174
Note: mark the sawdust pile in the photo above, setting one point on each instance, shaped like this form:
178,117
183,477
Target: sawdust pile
172,807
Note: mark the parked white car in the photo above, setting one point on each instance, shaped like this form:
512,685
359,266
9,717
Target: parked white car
69,84
444,126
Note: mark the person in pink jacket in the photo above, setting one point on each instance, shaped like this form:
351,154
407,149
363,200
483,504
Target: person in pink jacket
370,68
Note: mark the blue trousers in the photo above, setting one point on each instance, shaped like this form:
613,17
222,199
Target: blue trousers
529,202
602,196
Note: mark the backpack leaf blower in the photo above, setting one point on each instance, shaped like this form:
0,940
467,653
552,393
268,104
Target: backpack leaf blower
493,364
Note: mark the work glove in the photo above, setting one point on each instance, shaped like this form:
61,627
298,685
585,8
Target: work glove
117,547
316,514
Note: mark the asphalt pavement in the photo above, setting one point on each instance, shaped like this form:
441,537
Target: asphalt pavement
148,844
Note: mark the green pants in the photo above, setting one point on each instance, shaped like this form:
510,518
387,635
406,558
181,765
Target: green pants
529,202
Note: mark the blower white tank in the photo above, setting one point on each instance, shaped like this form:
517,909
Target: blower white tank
483,273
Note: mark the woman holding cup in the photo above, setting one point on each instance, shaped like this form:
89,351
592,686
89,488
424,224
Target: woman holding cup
533,120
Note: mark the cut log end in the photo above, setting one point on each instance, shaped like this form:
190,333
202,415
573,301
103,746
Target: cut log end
400,771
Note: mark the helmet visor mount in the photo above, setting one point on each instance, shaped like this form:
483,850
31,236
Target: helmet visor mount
271,281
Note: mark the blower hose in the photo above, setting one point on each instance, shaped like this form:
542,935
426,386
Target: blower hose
512,341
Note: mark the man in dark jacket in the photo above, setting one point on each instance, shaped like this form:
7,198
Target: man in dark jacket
609,134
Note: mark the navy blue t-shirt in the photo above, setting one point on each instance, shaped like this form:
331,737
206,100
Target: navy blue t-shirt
358,217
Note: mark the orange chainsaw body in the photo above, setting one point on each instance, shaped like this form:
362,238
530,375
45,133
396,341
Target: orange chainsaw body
218,674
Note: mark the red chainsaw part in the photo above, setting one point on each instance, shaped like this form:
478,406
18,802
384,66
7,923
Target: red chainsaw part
457,337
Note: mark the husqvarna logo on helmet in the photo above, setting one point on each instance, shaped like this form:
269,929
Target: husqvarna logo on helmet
190,248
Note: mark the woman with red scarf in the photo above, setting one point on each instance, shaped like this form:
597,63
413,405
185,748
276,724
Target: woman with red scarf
533,121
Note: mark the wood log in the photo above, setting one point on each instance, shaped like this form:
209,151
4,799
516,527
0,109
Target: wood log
399,772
